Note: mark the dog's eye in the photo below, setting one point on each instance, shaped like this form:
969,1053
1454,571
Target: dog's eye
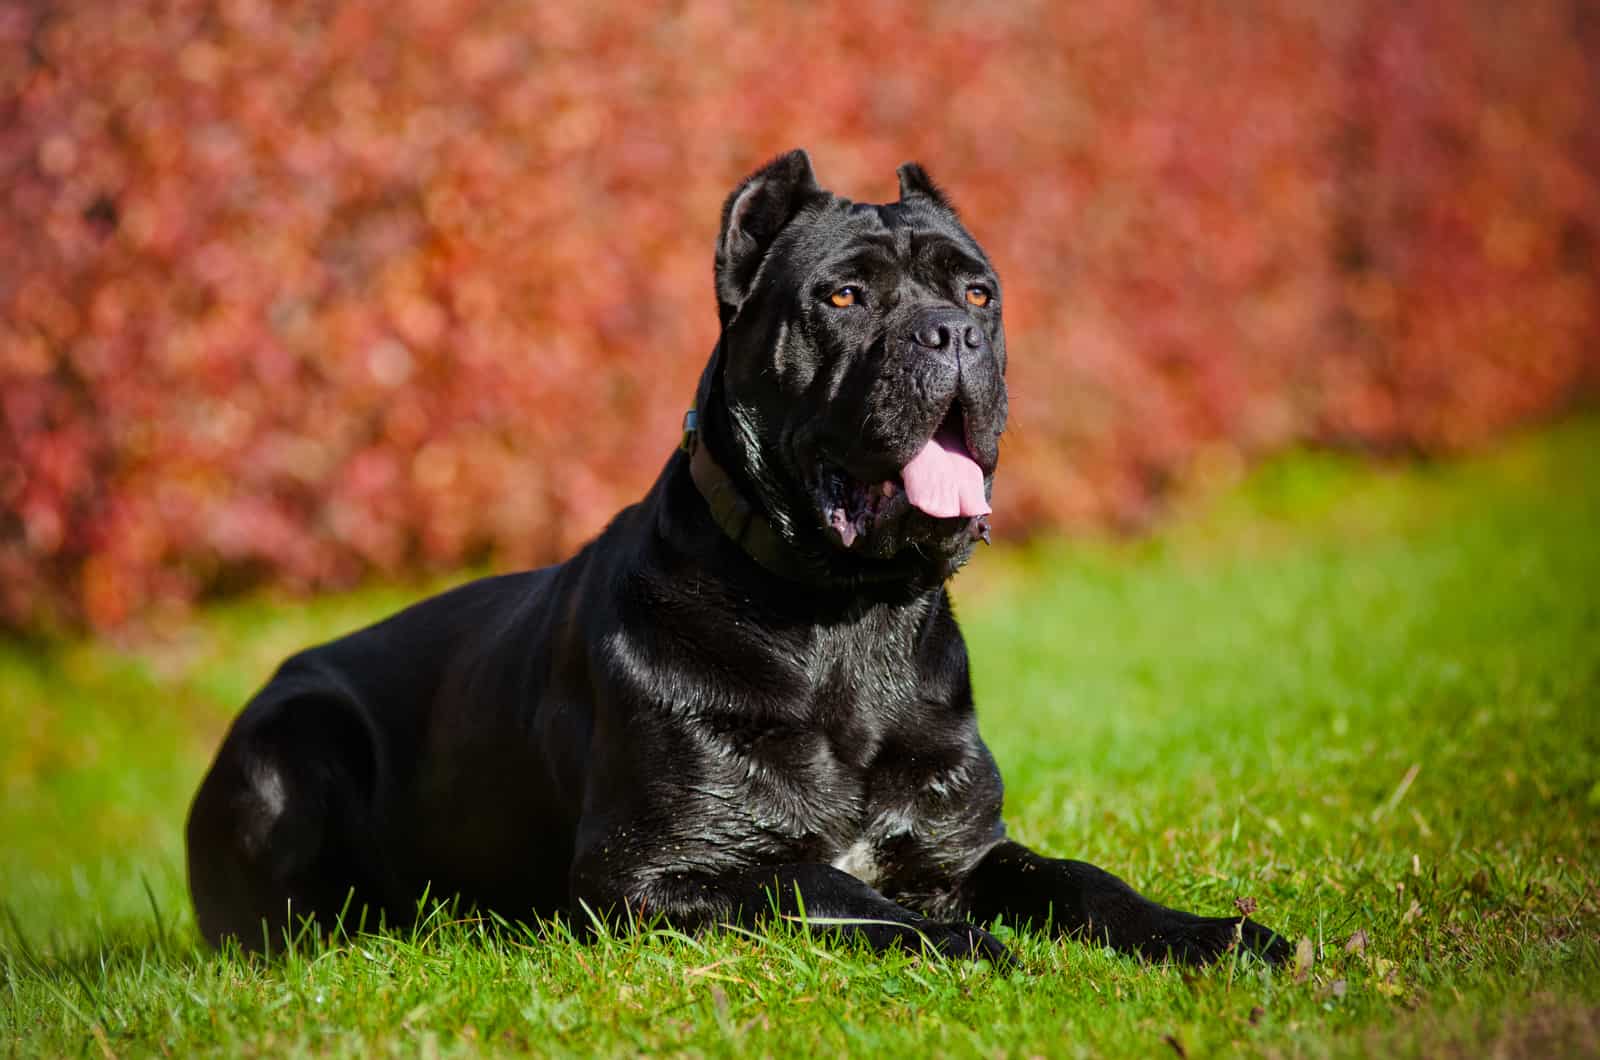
978,295
845,297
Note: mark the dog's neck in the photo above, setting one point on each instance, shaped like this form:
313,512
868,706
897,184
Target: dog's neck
742,520
744,524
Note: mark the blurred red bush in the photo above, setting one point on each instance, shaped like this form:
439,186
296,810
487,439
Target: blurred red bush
305,290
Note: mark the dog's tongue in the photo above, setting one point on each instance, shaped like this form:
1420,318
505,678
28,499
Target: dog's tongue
943,480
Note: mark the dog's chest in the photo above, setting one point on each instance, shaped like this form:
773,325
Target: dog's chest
837,772
860,860
832,758
820,796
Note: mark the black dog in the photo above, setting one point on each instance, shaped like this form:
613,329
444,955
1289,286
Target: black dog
747,696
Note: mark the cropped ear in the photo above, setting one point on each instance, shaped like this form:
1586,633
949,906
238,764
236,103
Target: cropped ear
752,218
915,183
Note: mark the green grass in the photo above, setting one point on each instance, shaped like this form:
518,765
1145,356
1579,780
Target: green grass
1367,698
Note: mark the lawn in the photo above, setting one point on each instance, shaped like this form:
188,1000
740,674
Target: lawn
1366,698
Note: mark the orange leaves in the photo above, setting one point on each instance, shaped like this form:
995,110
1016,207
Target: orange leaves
295,294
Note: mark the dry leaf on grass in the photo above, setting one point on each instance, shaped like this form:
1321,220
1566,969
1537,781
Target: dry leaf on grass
1303,956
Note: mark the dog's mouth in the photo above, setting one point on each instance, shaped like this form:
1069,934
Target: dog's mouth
941,484
943,480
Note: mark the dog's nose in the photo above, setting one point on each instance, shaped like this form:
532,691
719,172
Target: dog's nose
935,336
940,328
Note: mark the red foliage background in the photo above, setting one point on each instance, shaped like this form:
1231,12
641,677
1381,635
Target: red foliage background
301,290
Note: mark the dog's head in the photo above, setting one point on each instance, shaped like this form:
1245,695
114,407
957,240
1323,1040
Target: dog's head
859,385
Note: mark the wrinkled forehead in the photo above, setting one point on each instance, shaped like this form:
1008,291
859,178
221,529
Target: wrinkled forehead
845,236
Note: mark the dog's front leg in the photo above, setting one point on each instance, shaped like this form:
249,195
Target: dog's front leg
824,898
1077,899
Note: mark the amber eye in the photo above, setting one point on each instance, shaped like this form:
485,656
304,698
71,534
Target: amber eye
845,297
978,295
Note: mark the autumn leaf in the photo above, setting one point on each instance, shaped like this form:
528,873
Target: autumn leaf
303,299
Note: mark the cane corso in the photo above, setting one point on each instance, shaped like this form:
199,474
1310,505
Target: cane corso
746,698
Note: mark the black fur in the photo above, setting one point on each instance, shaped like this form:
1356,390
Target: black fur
662,726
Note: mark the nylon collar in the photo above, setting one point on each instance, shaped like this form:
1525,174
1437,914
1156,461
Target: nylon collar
735,516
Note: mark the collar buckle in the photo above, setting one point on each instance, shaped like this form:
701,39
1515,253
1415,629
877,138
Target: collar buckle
691,432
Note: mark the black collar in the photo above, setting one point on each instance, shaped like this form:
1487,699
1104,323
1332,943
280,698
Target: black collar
737,517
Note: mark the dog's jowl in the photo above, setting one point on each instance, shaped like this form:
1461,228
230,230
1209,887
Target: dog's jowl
746,697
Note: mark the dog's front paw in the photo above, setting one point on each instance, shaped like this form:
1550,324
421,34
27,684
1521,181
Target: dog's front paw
959,940
1266,943
1203,939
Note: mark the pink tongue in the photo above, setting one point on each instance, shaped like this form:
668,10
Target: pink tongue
943,480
